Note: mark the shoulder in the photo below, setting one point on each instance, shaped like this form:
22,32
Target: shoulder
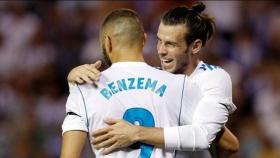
211,73
212,77
215,82
157,71
81,89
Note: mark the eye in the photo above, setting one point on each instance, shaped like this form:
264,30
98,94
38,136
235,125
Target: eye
170,44
158,40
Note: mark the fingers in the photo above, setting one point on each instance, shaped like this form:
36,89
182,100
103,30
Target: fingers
97,64
88,73
100,139
85,78
105,144
91,75
111,121
110,149
94,69
95,74
92,72
79,80
101,131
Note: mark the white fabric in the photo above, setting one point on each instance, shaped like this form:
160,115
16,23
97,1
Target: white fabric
164,107
207,102
171,135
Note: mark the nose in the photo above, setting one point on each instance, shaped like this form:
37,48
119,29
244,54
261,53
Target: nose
161,49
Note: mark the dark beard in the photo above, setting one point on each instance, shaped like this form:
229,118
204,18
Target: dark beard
106,57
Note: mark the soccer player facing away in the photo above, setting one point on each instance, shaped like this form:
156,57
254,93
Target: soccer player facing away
130,89
181,35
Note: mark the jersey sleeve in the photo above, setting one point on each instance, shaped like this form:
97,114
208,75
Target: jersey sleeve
74,119
209,117
217,86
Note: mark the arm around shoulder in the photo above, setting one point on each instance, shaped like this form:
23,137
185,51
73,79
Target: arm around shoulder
210,115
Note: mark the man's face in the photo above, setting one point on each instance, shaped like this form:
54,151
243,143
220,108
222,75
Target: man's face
172,48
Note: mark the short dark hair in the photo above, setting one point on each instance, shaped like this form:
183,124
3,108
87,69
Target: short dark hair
130,29
200,26
120,13
134,28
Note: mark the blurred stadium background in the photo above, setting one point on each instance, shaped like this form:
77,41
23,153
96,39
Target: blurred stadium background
40,42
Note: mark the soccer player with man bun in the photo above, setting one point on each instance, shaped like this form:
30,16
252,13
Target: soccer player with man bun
182,33
130,89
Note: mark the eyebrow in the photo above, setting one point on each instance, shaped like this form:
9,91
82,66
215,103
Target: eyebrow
168,42
173,43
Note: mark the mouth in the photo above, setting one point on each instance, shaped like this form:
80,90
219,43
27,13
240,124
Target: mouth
166,61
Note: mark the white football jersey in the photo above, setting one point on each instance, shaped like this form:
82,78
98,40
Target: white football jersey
207,102
133,91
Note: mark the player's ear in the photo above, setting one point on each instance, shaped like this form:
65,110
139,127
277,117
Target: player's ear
196,46
144,40
108,44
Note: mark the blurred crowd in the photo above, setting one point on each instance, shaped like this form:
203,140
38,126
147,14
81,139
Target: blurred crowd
40,42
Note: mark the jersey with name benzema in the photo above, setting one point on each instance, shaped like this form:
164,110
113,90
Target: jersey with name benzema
133,91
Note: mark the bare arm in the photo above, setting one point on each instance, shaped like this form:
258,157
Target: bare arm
120,134
228,142
153,136
197,136
72,144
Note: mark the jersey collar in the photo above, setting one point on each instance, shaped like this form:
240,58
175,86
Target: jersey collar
197,69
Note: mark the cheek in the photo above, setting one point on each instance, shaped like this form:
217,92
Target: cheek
179,54
181,58
172,52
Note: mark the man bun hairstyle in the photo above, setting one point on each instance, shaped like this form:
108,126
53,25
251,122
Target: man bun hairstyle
200,26
198,7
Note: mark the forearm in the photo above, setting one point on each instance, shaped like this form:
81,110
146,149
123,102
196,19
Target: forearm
187,138
197,136
152,136
72,144
208,119
228,142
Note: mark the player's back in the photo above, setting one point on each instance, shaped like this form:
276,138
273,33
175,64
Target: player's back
139,94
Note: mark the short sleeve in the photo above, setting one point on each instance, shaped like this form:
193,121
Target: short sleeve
74,119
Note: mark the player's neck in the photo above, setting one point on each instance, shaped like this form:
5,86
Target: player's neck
128,55
191,67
